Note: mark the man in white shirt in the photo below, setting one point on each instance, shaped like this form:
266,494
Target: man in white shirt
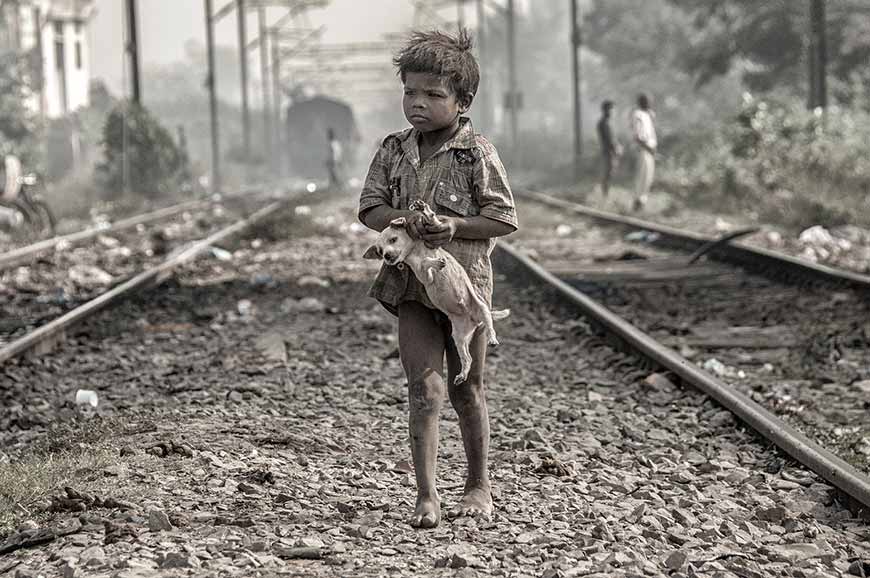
644,131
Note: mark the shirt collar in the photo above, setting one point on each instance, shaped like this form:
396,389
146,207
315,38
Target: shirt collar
463,139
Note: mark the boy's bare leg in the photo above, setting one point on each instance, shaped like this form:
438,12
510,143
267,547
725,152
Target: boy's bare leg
469,401
421,347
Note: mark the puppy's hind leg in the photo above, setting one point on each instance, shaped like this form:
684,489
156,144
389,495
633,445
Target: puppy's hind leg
462,335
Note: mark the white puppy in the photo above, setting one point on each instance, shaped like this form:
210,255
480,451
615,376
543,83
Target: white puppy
446,283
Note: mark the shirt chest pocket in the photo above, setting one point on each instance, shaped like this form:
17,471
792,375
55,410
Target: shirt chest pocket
455,199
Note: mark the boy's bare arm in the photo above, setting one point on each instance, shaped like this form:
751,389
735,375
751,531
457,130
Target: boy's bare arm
478,227
379,217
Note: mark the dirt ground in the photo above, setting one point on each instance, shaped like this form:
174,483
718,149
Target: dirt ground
252,421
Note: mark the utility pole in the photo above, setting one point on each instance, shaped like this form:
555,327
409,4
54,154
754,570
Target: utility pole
576,43
818,59
243,68
133,50
212,101
513,99
485,100
264,81
276,99
40,61
460,14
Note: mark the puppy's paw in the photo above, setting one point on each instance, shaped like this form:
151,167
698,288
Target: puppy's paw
459,379
492,340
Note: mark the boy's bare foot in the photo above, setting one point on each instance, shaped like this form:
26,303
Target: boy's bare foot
477,501
427,513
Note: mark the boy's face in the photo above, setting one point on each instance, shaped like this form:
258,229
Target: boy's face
429,103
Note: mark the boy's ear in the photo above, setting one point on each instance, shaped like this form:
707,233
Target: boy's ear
398,223
465,102
372,253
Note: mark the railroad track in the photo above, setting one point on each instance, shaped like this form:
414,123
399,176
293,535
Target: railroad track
787,352
35,319
601,464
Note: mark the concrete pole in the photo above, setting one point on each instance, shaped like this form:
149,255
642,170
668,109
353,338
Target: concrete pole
264,82
818,59
513,98
276,99
212,101
133,50
485,100
576,42
243,68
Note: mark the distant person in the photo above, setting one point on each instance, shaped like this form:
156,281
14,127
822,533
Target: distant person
611,150
333,159
644,130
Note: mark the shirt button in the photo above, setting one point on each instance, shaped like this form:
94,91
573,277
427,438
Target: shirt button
454,198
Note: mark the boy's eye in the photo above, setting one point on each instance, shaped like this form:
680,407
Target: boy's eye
391,241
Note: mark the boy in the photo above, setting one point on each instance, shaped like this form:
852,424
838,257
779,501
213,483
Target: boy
458,173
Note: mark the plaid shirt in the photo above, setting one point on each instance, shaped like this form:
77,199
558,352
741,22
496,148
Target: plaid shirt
464,178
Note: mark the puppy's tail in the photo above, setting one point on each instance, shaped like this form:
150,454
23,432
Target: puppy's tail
500,314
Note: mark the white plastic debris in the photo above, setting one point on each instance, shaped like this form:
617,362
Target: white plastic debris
87,397
89,276
244,307
715,366
774,238
302,210
311,187
563,230
221,254
642,237
816,235
308,280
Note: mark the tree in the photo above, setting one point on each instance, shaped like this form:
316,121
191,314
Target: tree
140,153
19,124
768,43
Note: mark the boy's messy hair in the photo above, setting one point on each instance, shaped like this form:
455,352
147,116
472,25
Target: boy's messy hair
444,55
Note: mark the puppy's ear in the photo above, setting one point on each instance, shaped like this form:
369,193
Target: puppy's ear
372,253
399,223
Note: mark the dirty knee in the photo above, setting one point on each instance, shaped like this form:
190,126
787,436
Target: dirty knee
470,393
426,394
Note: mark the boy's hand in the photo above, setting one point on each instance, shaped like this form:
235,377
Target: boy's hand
439,234
415,226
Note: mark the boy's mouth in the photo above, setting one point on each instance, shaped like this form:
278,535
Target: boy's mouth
418,117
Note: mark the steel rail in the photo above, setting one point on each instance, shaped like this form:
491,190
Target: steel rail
754,258
16,256
155,275
827,465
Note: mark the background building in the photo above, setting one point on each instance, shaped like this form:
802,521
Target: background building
53,34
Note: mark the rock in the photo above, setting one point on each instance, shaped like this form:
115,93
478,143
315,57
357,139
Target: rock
310,542
158,521
298,553
93,556
179,560
775,514
676,560
795,552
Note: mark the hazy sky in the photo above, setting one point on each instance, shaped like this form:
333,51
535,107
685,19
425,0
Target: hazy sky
165,26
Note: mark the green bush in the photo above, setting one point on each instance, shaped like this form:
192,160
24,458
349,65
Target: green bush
19,125
777,149
154,163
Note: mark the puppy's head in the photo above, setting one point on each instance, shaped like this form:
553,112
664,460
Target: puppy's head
393,244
